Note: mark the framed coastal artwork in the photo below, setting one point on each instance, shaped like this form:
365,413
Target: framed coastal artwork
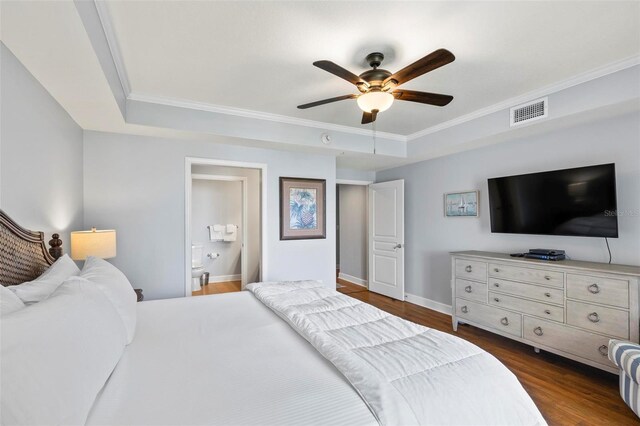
461,204
302,208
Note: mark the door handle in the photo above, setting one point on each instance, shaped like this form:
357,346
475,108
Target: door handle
397,246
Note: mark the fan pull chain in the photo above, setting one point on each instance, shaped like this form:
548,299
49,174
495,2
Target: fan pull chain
373,125
374,137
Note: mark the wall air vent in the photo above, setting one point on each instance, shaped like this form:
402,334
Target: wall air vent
531,111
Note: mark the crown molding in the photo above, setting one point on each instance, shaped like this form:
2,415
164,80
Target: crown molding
535,94
258,115
114,47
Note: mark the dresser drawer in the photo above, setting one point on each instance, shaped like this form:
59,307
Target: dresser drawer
567,339
498,319
531,275
542,310
471,270
607,291
471,290
532,291
603,320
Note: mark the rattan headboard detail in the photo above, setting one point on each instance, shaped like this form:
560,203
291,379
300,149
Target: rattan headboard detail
23,253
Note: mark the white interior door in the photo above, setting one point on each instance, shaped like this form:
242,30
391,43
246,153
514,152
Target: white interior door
386,238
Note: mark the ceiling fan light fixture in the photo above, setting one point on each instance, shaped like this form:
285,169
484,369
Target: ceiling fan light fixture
377,86
375,100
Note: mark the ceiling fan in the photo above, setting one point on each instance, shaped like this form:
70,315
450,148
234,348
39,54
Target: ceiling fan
378,87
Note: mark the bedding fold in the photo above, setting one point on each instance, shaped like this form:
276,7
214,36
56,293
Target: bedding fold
404,372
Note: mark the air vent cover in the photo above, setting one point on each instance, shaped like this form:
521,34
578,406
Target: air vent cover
531,111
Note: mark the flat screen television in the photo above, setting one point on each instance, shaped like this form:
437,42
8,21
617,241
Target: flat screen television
576,202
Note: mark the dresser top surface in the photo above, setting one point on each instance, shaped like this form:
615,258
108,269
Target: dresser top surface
578,264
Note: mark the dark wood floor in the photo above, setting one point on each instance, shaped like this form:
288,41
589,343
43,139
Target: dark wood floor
566,392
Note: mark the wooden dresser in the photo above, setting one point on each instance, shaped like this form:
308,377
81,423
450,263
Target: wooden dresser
570,308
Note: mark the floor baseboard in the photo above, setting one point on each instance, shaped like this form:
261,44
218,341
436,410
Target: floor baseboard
224,278
428,303
352,279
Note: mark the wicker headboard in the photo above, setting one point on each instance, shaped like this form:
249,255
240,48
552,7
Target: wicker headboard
23,253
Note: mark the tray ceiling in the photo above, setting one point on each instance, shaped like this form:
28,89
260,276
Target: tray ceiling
258,55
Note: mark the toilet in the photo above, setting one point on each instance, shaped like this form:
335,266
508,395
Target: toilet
197,269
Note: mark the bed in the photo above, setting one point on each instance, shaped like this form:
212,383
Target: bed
267,356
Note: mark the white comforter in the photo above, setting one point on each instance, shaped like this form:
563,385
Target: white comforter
405,373
224,359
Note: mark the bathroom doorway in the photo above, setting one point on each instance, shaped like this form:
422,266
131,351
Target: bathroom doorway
218,233
224,232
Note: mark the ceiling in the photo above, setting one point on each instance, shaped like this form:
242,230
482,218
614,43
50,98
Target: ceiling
258,55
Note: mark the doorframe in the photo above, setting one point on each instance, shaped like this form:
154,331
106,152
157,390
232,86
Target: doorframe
189,162
243,249
366,235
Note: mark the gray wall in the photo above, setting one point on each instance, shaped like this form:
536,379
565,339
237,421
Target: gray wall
353,230
217,202
254,202
429,236
135,184
40,155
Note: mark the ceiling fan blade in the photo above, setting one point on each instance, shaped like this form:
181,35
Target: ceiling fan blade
336,69
423,97
369,117
326,101
430,62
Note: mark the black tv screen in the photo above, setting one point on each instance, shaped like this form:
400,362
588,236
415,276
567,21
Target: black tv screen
578,202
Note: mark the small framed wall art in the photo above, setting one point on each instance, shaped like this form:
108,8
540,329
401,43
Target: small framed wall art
302,208
461,204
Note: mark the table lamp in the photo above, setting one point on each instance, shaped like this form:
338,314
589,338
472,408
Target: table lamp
98,243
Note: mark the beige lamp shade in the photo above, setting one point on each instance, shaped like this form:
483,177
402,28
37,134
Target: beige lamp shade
98,243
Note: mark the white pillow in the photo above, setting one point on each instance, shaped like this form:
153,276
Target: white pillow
57,355
116,286
42,287
9,302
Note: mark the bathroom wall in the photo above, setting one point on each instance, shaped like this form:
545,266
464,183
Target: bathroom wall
217,202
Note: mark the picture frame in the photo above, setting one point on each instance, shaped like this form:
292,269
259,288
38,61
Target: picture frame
462,203
303,208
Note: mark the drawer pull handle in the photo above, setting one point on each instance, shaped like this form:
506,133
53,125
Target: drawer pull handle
496,285
547,311
547,277
538,331
496,299
496,270
464,309
504,321
594,317
594,289
604,350
468,289
548,294
468,268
